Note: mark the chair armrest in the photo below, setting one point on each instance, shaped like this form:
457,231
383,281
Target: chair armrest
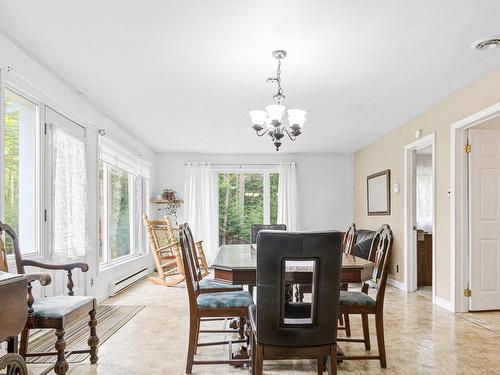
49,266
69,267
43,278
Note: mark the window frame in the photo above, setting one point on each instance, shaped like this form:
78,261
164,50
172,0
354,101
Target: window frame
265,171
40,249
139,185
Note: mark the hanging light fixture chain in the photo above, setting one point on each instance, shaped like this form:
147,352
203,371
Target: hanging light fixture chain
279,96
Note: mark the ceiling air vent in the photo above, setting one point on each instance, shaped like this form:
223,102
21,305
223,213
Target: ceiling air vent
486,44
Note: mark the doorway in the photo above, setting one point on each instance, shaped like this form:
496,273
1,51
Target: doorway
420,216
475,214
483,154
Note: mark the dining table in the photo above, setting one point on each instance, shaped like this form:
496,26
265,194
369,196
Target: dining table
237,265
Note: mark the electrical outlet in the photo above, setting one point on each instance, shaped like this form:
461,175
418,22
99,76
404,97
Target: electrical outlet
397,268
91,281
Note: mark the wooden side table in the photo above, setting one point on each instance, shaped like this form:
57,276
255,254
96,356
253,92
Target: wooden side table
13,314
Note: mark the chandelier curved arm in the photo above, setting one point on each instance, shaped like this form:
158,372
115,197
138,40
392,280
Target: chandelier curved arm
292,137
261,134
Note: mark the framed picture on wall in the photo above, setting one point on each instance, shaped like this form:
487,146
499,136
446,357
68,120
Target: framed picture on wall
378,193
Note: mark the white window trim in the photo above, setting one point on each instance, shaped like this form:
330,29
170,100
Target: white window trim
40,250
138,170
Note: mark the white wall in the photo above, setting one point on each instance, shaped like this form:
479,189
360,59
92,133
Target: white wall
325,182
45,87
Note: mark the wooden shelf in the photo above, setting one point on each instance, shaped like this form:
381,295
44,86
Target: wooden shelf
165,201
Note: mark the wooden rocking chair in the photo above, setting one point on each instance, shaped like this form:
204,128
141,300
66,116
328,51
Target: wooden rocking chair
172,234
167,254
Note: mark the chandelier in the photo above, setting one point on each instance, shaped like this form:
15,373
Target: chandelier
271,120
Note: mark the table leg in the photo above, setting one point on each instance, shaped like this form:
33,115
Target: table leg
12,344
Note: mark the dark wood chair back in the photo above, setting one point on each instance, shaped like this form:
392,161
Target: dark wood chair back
380,253
256,228
190,272
281,322
192,251
350,240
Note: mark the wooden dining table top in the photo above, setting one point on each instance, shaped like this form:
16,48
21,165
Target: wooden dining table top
237,264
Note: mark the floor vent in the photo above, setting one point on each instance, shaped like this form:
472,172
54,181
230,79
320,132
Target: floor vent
118,285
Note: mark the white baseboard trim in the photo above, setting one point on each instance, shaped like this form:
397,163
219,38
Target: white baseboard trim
445,304
397,284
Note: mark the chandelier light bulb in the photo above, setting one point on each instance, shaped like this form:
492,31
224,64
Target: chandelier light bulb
296,118
258,117
275,113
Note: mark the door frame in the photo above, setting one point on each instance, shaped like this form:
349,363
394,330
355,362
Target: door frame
459,212
410,248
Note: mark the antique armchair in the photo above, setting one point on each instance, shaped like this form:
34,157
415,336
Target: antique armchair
284,329
53,312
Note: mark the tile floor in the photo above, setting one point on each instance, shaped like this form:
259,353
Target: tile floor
421,339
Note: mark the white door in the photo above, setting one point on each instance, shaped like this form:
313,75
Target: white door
484,198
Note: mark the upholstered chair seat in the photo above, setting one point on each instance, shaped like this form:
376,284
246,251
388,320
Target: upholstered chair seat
61,306
224,300
214,286
355,299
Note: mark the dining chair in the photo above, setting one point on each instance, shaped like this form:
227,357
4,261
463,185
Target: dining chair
256,228
354,302
206,284
53,312
348,244
284,329
208,305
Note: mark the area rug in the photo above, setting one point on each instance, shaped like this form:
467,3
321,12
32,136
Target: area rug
110,318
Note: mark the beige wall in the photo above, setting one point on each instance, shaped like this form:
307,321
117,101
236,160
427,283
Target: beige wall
388,153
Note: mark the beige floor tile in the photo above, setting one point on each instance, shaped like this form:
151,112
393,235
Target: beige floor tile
421,339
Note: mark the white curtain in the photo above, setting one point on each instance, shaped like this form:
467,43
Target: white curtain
199,206
70,194
288,205
424,192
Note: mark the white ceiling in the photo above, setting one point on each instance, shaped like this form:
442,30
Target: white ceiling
182,75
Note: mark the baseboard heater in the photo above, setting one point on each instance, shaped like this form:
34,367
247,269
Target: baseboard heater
118,285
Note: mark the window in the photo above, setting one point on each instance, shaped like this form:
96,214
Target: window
20,170
123,198
68,194
274,178
246,199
